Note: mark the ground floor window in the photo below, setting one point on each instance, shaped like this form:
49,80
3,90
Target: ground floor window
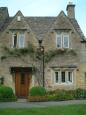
63,76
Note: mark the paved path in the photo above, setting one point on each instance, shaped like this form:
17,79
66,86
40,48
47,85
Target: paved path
23,104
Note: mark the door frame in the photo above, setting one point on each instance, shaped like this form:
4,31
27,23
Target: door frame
27,71
22,86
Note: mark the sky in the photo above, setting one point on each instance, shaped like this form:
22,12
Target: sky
46,8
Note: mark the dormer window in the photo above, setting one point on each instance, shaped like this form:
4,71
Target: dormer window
62,40
18,40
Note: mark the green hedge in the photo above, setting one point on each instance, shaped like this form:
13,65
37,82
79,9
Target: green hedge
6,94
58,95
37,91
80,94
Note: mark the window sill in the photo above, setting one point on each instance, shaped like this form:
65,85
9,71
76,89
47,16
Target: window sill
69,83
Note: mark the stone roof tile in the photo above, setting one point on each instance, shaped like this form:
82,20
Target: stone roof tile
41,25
77,28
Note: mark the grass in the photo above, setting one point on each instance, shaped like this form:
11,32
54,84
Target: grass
57,110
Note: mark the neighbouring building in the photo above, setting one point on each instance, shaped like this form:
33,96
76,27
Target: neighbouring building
49,51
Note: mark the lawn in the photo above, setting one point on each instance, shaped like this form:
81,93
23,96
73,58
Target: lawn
57,110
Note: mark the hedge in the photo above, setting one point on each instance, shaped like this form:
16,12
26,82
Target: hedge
37,91
6,94
59,95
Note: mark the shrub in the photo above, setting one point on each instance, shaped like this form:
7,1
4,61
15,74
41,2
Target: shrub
80,93
6,94
37,91
59,95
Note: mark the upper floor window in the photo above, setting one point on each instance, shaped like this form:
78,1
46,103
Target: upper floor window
62,40
18,40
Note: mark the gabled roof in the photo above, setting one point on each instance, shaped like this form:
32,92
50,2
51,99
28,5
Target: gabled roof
62,22
16,24
40,26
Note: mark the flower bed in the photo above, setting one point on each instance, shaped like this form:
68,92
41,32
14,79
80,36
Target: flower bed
57,95
37,98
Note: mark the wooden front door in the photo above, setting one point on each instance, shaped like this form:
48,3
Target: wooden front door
22,83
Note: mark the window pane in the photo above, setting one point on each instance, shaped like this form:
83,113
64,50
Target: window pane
14,40
66,41
56,76
21,41
63,76
70,76
59,41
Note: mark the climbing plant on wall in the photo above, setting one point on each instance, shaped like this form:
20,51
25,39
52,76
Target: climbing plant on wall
15,52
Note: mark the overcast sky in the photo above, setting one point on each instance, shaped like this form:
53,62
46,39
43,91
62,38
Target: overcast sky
46,8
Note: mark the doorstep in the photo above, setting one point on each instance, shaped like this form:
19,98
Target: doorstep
21,100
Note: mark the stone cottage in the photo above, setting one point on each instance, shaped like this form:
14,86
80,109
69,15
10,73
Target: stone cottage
48,51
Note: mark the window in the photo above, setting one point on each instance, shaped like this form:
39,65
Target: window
59,41
21,41
70,76
18,40
14,41
56,73
62,40
66,41
63,77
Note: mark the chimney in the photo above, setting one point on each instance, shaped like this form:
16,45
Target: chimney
4,13
71,10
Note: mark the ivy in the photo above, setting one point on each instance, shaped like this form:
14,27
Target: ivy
36,54
52,53
15,52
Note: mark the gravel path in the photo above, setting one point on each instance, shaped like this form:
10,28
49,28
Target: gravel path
24,104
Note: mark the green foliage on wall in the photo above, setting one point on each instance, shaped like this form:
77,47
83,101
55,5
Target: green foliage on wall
15,52
52,53
34,53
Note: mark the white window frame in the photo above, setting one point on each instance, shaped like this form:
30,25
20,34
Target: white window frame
19,40
12,45
58,76
57,40
62,35
67,37
71,76
67,82
61,77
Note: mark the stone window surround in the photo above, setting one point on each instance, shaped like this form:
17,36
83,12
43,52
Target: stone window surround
18,40
66,77
62,35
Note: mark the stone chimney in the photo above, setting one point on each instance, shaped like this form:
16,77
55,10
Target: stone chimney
4,13
71,10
